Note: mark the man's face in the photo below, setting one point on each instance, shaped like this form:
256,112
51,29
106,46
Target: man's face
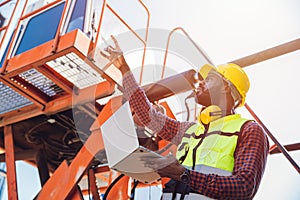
211,90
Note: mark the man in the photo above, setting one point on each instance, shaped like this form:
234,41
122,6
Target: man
223,156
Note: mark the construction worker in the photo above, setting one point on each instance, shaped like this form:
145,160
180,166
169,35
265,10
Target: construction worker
222,156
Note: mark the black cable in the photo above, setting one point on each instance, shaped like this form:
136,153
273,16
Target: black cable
89,186
111,186
136,182
29,135
174,194
187,110
184,192
187,106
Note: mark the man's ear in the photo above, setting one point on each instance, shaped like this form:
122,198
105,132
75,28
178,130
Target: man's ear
229,95
227,88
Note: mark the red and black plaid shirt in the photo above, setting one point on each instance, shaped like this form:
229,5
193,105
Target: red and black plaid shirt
250,155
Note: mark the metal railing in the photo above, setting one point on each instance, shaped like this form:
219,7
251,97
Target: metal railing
25,16
5,28
202,53
142,40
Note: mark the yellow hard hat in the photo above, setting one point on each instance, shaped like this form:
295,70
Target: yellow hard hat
233,73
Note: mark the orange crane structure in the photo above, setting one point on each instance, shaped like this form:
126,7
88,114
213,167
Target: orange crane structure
55,93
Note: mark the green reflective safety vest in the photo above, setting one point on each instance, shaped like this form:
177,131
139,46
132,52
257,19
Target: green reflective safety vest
213,146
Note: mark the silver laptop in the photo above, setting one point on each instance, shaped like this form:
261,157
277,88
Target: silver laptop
122,147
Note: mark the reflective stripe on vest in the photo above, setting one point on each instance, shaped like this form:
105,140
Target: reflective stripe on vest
214,148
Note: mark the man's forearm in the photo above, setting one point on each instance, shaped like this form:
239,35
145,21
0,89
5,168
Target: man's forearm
124,69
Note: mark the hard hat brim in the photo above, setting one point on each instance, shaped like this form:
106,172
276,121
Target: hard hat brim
205,69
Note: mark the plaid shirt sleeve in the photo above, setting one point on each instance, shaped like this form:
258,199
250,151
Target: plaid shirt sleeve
167,128
250,160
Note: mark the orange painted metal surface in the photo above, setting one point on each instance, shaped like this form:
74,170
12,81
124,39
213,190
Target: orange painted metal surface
74,41
86,95
55,183
99,173
48,5
65,178
10,47
79,165
20,114
61,22
144,41
93,184
120,190
4,2
57,78
73,173
10,163
76,194
168,109
99,24
21,91
110,107
23,17
1,29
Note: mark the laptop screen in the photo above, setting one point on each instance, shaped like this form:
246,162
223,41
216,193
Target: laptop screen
119,135
122,146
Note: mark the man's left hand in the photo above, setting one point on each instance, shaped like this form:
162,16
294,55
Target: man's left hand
167,166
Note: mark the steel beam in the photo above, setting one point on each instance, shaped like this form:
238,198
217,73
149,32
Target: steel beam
22,155
289,147
273,138
10,163
268,53
41,162
93,184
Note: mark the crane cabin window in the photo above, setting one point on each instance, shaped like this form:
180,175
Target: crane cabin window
39,29
42,27
77,18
